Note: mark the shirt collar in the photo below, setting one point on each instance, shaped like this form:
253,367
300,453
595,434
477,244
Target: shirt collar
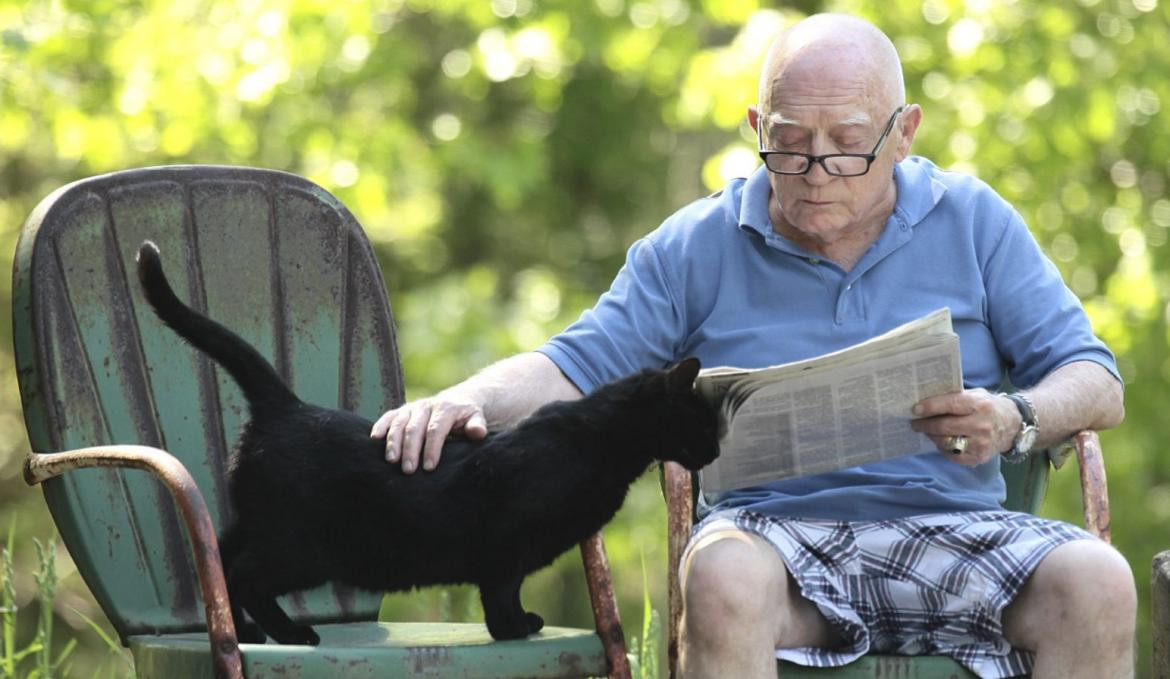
918,193
753,206
918,190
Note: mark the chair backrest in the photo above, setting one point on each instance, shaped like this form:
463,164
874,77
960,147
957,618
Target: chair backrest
270,255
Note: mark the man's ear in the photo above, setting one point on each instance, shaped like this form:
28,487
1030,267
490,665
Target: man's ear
681,378
753,117
908,124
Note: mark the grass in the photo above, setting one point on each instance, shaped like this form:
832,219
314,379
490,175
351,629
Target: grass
644,654
39,658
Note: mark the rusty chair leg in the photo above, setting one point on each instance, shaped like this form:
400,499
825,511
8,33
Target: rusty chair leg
605,610
680,510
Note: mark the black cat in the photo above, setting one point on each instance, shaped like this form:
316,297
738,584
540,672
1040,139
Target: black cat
316,501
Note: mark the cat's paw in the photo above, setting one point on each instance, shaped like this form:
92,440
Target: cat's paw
250,633
514,628
297,635
535,622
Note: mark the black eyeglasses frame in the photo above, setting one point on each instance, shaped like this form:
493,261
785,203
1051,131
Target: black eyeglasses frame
810,160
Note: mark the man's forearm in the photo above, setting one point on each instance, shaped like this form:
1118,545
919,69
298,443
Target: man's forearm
1076,396
511,389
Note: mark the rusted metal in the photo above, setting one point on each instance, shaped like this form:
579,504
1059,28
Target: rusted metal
1160,615
225,650
680,511
1094,492
605,610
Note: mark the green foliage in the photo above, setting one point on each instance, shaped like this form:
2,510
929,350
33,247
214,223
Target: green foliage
120,664
46,578
646,647
49,661
504,154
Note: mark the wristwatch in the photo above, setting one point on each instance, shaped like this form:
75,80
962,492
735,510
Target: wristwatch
1026,436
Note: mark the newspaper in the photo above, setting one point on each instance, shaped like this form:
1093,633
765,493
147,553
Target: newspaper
838,410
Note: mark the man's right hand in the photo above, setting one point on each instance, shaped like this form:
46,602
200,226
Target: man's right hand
421,427
514,387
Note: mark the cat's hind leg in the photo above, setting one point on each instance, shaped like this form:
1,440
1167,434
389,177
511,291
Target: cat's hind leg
505,617
255,589
274,620
247,631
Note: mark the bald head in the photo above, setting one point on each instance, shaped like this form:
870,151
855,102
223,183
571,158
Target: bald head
840,54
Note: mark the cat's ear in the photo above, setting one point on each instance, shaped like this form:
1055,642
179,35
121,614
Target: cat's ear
681,378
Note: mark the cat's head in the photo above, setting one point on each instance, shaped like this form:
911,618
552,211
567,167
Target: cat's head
690,427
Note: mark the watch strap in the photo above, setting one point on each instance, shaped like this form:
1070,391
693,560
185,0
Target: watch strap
1028,424
1024,405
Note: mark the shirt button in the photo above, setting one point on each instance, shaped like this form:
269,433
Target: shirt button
814,261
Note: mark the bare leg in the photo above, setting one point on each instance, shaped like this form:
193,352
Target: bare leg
1077,613
739,606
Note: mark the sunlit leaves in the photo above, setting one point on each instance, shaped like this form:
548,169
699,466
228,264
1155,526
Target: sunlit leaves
502,154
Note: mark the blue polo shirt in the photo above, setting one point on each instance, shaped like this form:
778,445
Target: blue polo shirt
715,281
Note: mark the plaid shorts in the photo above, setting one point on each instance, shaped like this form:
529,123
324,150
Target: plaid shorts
934,584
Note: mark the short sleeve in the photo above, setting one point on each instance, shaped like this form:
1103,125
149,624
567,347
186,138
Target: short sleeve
1038,323
636,324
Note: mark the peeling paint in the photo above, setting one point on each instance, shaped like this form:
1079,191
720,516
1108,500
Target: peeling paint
424,659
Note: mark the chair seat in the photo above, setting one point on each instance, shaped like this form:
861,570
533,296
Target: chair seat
870,666
385,650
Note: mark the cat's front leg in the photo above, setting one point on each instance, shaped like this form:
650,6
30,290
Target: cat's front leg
505,617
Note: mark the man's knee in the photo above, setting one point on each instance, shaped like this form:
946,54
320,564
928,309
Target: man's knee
1090,574
736,585
732,576
1084,585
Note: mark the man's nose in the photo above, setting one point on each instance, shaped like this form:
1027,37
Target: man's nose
817,174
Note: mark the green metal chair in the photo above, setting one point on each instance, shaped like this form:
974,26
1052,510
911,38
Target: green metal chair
282,262
1026,484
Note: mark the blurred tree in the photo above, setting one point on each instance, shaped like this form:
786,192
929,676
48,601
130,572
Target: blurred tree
503,155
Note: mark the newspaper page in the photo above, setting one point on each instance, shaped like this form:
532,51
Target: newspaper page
842,409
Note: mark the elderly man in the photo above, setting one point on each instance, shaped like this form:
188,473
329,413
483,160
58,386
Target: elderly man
841,236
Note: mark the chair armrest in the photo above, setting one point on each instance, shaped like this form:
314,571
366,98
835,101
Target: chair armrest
604,603
1094,492
225,650
680,512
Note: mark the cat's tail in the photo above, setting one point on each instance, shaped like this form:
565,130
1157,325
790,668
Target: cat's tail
257,378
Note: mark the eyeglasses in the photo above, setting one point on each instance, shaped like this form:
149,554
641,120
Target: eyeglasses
836,164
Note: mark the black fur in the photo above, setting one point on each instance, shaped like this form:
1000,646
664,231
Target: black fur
316,501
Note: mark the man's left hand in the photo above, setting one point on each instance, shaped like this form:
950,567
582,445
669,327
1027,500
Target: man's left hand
988,421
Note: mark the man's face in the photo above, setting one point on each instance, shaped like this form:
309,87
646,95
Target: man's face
821,106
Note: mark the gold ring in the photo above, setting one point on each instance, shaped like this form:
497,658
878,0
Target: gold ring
957,444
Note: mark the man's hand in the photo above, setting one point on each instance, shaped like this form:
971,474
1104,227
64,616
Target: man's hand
421,427
989,421
510,390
